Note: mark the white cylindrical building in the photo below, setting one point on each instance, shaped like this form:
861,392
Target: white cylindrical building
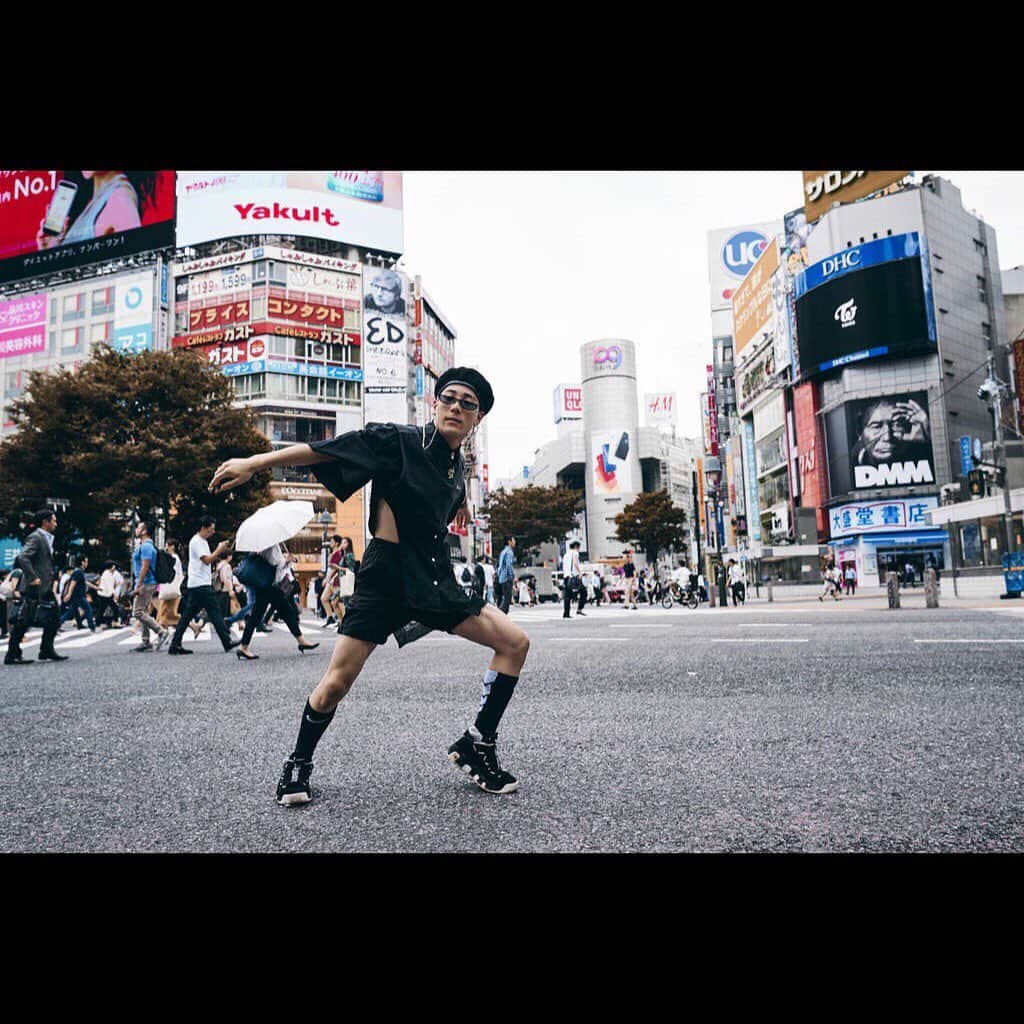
611,439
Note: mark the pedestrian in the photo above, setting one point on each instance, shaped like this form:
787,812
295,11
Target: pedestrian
8,588
480,581
850,578
629,578
523,592
572,584
78,587
168,595
106,610
737,583
221,578
143,564
269,592
488,568
506,573
600,597
417,490
200,588
34,595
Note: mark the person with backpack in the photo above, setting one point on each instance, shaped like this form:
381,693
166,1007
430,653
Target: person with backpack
145,562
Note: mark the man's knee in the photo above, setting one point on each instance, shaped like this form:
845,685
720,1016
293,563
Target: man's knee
517,644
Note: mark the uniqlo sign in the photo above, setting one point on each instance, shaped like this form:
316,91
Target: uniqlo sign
568,402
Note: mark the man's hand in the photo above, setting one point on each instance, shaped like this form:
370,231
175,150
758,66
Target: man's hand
35,583
462,517
231,474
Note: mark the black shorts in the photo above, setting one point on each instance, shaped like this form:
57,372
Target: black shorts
379,605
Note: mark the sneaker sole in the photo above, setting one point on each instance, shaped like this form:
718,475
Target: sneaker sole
290,799
509,787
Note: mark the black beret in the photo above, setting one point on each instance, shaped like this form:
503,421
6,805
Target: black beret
470,378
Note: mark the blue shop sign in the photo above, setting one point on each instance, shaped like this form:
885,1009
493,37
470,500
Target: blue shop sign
858,257
966,462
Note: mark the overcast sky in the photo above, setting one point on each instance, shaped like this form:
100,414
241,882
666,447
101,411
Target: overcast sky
529,265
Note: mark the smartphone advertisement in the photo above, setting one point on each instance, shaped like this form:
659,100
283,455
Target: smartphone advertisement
52,220
609,461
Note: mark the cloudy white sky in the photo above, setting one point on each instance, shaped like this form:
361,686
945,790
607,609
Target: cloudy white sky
529,265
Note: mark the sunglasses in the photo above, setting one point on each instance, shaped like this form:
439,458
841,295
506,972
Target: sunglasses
467,403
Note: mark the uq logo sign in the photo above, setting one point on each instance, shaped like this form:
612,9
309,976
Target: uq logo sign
740,252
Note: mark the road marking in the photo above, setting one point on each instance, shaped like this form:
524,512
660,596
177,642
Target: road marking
757,640
641,625
88,641
304,629
577,639
980,640
772,625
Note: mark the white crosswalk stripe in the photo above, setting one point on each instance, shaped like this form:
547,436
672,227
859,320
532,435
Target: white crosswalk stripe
93,638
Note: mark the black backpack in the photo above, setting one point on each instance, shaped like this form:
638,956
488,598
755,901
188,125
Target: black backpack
164,568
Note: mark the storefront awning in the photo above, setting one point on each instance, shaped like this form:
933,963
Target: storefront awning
906,539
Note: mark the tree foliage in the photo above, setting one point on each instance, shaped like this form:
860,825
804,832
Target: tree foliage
128,434
532,514
652,523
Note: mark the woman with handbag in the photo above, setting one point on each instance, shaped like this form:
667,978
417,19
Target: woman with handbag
168,595
265,573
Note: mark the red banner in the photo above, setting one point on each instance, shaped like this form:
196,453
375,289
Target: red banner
305,312
242,332
811,448
216,316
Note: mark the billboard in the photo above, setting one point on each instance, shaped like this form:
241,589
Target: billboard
133,313
880,442
23,326
568,402
661,409
355,207
732,253
52,220
823,188
881,516
754,378
609,461
874,312
385,346
752,301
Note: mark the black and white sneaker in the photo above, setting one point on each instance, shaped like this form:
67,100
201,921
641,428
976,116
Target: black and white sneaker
295,790
480,761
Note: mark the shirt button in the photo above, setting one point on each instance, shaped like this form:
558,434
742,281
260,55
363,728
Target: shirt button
435,583
433,559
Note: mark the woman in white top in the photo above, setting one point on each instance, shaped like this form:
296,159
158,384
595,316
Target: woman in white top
105,597
272,596
168,595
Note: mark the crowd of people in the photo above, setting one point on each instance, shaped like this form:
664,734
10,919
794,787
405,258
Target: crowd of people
161,593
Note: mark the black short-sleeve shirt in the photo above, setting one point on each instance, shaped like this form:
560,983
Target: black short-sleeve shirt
421,478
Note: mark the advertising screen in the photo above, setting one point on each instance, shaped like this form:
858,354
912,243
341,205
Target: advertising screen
880,442
609,461
823,188
872,313
133,314
52,220
355,207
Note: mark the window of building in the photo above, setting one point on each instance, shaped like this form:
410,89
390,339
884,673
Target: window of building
352,320
101,332
52,348
874,234
979,245
986,331
180,323
72,341
259,271
258,306
888,231
278,272
53,311
981,287
727,353
102,301
74,308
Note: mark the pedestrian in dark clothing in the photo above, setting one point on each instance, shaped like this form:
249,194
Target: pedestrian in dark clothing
406,573
506,574
35,593
79,588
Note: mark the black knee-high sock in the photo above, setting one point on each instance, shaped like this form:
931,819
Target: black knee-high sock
313,726
494,704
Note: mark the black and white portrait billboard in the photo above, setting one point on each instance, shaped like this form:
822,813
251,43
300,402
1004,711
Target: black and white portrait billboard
876,443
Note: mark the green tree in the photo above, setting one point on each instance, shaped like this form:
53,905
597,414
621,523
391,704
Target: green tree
123,435
532,514
652,523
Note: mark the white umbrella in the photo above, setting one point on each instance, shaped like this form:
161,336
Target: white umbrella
272,524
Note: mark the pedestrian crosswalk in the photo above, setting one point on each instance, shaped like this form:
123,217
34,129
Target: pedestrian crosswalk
125,636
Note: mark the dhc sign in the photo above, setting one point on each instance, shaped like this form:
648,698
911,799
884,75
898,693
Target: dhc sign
740,252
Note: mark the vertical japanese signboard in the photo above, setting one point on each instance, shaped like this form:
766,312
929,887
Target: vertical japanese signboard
385,356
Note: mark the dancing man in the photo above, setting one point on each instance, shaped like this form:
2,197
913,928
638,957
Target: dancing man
406,572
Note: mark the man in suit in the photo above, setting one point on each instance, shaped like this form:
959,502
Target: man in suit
34,589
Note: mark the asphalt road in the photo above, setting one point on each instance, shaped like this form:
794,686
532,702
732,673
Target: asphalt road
822,728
